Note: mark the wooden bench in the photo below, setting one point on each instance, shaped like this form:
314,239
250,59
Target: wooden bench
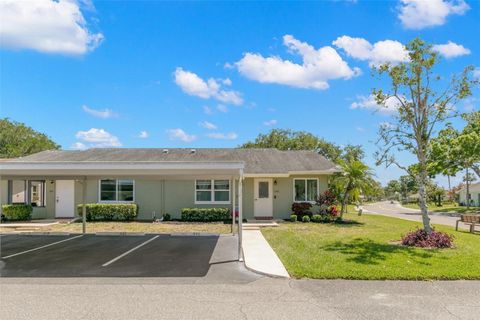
471,219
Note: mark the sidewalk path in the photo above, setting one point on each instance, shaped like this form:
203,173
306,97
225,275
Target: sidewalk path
386,208
260,257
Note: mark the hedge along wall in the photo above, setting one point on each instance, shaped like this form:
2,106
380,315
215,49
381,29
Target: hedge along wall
110,211
17,212
206,214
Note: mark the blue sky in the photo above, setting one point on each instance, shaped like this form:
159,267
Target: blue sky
193,74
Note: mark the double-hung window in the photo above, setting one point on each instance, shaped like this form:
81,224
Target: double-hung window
305,190
212,191
117,190
27,192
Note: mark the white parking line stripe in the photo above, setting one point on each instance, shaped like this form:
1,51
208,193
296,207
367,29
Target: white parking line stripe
48,245
129,251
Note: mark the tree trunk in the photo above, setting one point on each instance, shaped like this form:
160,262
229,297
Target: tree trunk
344,203
468,189
449,189
422,191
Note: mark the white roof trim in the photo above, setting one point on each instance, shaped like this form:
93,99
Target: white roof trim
290,173
119,165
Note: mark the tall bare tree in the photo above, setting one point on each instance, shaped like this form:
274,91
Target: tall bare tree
423,103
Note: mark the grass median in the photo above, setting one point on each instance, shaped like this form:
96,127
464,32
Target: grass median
137,226
366,249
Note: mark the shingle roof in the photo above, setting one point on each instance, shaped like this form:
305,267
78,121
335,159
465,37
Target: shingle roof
256,160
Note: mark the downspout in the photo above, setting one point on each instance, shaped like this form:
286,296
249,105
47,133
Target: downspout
84,206
240,216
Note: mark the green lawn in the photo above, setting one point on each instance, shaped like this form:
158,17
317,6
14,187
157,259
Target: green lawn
447,207
364,250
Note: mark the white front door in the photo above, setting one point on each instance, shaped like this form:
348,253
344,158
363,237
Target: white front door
263,198
65,198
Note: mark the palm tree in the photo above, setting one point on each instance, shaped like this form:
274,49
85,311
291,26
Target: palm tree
356,178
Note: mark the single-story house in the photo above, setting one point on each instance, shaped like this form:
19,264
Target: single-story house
474,191
261,183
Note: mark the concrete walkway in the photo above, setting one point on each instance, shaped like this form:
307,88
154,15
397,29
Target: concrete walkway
386,208
260,257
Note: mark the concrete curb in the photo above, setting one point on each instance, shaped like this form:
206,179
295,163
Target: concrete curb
45,233
270,275
194,234
119,234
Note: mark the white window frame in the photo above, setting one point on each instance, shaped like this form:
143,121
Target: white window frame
306,189
116,191
212,192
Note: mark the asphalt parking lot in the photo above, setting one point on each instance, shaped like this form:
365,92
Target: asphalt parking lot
151,255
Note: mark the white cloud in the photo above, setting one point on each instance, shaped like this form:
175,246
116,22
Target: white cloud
386,125
208,125
105,113
317,68
360,129
419,14
78,146
179,134
369,103
469,104
207,110
97,138
451,50
46,26
224,136
222,108
193,85
143,135
476,73
270,122
378,53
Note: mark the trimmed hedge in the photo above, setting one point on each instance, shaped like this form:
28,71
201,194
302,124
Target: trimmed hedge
293,218
110,211
17,212
205,214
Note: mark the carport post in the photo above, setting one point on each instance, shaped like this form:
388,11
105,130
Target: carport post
240,215
84,207
234,195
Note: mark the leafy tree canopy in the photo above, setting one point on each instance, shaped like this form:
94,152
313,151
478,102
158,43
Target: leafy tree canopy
18,140
423,104
455,150
285,139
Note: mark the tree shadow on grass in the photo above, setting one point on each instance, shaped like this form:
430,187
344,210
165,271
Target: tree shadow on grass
347,223
366,251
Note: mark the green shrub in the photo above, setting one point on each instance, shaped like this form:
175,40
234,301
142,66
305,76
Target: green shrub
167,217
301,209
14,212
110,211
293,218
317,218
205,214
305,219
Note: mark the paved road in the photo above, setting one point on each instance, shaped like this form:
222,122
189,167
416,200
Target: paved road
385,208
263,298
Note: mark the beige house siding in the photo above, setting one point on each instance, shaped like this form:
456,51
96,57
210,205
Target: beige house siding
474,195
46,212
170,196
